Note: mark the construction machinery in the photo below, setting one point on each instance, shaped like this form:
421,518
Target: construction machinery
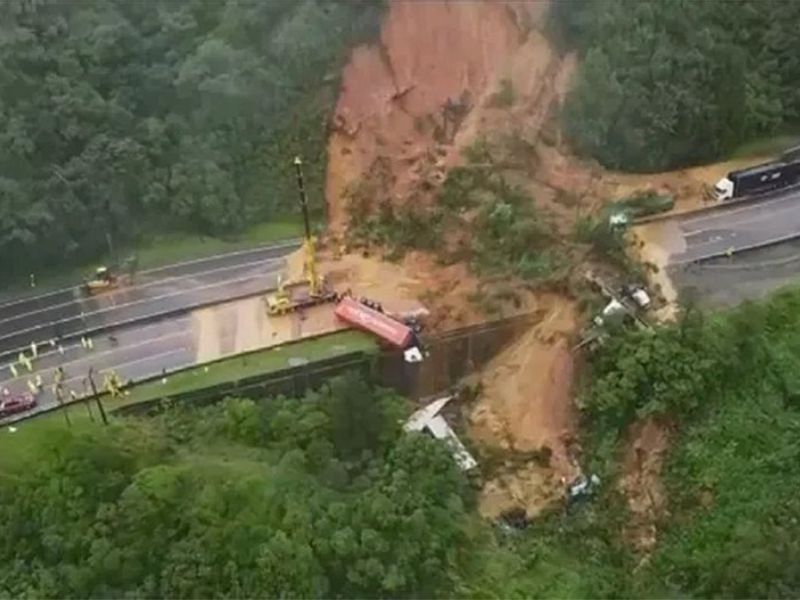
103,279
312,288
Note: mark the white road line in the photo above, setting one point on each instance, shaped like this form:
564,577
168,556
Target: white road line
277,246
93,356
749,207
67,348
33,298
139,287
764,244
120,366
715,240
752,219
129,304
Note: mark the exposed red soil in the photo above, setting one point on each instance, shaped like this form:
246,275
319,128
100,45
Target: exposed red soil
409,106
642,485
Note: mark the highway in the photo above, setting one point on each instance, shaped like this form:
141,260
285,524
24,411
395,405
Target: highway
148,325
743,226
138,351
151,349
153,293
750,275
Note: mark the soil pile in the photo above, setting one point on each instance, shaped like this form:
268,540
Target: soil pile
525,411
442,76
404,100
642,485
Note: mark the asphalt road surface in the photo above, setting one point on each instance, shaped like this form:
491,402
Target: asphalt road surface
743,226
153,293
750,275
135,352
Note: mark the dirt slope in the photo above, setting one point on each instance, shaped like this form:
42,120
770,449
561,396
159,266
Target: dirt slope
409,106
403,100
526,410
642,485
407,109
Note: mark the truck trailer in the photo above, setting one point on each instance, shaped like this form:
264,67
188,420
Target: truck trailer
759,179
392,332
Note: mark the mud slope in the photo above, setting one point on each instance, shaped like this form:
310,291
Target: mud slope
526,412
403,100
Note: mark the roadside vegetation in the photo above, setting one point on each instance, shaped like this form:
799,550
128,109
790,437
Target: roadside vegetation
312,497
128,118
668,84
476,216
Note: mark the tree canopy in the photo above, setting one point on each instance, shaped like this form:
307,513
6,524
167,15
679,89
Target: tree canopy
121,116
315,497
666,84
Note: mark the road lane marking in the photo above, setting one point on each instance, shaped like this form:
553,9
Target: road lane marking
35,298
277,246
755,246
117,367
140,331
140,318
752,219
95,355
119,292
750,207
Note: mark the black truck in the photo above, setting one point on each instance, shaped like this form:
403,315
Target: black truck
760,178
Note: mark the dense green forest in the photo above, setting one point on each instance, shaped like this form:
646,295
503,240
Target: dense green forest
325,496
667,84
126,117
314,497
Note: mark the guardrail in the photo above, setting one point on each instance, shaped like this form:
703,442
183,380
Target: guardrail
451,356
291,381
731,251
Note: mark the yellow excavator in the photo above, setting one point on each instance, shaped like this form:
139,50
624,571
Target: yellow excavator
102,280
312,288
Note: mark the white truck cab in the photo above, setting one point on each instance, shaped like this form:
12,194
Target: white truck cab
723,190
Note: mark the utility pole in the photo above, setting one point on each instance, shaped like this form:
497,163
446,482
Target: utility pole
59,392
298,167
97,397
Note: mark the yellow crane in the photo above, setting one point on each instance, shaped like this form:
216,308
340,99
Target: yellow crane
312,289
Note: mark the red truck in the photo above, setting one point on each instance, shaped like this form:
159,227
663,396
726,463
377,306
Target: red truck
359,315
